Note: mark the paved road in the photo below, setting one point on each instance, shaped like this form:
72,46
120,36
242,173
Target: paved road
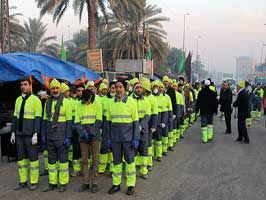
221,170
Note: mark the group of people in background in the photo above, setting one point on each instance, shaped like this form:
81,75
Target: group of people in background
248,103
86,130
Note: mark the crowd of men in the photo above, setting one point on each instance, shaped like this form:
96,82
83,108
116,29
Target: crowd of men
92,130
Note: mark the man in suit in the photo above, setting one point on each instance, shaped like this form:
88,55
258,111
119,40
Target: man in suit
242,104
226,105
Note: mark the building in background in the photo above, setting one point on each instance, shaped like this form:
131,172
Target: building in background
260,74
244,67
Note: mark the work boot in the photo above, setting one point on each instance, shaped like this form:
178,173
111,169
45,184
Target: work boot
149,168
94,188
164,153
62,188
21,186
75,174
159,159
84,188
130,190
114,189
171,149
239,140
144,176
50,188
33,187
45,173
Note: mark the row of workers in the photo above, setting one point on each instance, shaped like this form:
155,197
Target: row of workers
124,122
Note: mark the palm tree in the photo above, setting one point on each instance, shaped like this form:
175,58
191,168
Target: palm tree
77,47
35,39
58,7
17,31
131,32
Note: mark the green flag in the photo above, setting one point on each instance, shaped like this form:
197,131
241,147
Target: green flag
63,55
182,62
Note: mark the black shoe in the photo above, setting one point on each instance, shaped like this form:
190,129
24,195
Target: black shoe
239,140
145,176
33,187
51,187
164,153
159,159
21,186
246,142
45,173
171,149
149,168
84,188
130,190
94,188
62,188
114,189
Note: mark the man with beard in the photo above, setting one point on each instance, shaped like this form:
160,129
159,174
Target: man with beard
57,133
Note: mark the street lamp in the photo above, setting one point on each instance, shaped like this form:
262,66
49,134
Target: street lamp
262,51
184,33
198,38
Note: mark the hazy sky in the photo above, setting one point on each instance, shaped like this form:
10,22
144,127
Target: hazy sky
229,28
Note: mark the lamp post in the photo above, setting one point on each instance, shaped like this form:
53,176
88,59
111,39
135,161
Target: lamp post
198,38
184,31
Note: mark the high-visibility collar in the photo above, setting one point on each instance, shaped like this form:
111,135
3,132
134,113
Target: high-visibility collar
124,99
136,97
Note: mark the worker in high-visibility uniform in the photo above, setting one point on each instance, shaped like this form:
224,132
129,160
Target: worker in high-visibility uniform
88,123
181,112
106,156
257,104
146,87
65,90
173,137
144,112
43,96
124,135
57,133
75,94
162,120
26,123
207,104
168,112
170,91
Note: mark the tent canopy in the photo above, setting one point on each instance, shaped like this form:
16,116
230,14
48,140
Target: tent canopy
15,66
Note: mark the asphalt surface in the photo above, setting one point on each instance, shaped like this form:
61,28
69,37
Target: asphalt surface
221,170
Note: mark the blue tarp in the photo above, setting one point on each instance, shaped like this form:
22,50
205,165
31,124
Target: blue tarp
15,66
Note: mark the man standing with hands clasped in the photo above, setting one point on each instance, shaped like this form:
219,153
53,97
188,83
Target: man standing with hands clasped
25,129
242,104
57,133
225,100
124,136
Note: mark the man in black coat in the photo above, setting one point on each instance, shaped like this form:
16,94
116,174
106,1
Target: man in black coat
207,104
242,104
225,100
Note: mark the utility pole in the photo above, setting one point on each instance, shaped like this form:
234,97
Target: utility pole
184,31
4,27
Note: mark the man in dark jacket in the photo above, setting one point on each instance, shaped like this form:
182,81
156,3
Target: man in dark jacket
225,100
207,104
242,104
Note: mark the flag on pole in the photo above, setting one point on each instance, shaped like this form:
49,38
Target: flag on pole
182,62
63,55
188,67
